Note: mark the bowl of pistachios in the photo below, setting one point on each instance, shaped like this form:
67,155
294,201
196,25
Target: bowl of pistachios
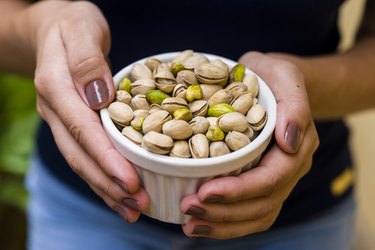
184,118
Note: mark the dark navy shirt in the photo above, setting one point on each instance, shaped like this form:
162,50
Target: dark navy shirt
228,28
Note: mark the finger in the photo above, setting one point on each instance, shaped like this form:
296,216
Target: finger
287,84
86,40
83,123
276,170
107,188
227,230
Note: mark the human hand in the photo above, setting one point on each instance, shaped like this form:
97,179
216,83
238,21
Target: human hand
72,80
234,206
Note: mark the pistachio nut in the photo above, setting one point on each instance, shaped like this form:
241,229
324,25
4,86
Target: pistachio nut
209,90
236,140
183,114
218,148
120,113
194,92
212,120
179,91
137,122
125,84
233,121
198,107
155,107
257,117
183,56
199,124
237,73
156,96
141,113
237,88
123,96
221,96
242,103
219,109
215,133
186,77
152,63
140,102
132,134
155,121
157,142
251,81
176,67
199,146
165,81
139,71
195,61
221,64
211,74
141,86
249,132
177,129
180,149
171,104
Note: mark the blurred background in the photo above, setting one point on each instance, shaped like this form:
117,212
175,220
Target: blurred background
18,121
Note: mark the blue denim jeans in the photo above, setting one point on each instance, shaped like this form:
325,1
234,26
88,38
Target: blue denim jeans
60,219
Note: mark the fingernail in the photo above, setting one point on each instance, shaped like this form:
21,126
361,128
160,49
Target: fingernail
195,211
121,184
213,198
292,135
131,203
96,93
202,230
121,212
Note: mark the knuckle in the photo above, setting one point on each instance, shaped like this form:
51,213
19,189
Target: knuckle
74,163
87,68
263,210
272,184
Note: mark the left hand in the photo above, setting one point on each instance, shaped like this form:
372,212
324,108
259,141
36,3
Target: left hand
234,206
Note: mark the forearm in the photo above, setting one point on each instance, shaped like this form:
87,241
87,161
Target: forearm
340,84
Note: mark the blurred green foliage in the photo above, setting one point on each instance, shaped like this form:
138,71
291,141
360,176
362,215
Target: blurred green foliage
18,122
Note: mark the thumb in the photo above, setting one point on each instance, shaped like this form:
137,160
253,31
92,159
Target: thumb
287,83
87,44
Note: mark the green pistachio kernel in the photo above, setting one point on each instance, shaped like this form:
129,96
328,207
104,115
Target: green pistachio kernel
194,92
215,133
220,109
137,122
156,96
237,73
125,84
182,114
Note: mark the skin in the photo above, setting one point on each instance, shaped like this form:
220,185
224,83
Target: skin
35,42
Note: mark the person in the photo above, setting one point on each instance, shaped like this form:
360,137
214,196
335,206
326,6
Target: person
290,201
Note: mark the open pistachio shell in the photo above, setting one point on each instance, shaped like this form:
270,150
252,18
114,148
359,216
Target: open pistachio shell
199,146
233,121
157,142
257,117
218,148
236,140
132,134
180,149
120,113
155,121
177,129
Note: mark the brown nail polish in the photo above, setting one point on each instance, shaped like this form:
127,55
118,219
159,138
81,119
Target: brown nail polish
121,184
131,203
96,93
213,198
202,230
292,136
195,211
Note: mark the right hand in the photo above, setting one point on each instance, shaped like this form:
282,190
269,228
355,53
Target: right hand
72,80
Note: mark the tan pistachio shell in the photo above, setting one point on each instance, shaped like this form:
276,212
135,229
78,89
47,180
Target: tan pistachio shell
221,96
123,96
140,102
177,129
141,86
132,134
157,142
237,88
242,103
257,117
195,61
120,113
186,77
209,73
155,121
139,71
198,107
251,81
183,56
180,149
236,140
218,148
199,146
179,91
199,124
233,121
209,90
141,113
171,104
152,63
